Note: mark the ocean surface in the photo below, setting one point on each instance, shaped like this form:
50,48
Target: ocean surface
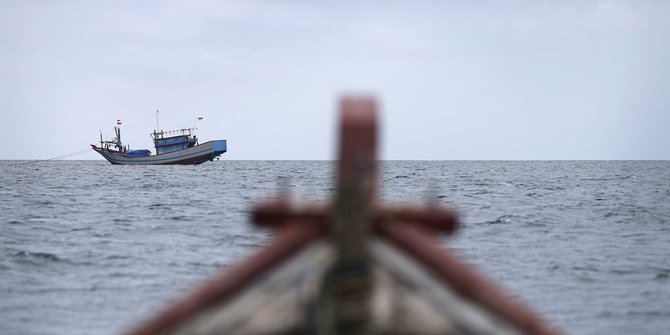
91,248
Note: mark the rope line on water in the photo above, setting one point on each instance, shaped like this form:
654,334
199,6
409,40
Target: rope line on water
72,154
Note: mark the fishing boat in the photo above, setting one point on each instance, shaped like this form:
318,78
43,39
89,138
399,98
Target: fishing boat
349,266
178,146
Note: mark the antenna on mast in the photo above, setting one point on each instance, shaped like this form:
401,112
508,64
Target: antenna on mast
156,119
195,124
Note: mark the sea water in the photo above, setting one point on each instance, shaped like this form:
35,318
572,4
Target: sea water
91,248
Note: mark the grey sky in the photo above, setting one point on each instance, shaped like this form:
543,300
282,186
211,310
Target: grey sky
456,79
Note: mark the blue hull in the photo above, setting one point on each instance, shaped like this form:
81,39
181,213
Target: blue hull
195,155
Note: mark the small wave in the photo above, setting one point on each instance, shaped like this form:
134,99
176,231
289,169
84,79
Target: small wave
553,266
35,257
247,244
610,178
536,223
661,273
610,214
38,219
554,188
44,255
633,235
159,206
116,256
648,313
590,268
623,271
43,202
397,177
119,274
505,219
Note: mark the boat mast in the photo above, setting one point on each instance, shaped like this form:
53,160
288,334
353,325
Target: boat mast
157,120
118,134
195,124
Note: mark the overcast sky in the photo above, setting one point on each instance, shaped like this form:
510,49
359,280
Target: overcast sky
454,79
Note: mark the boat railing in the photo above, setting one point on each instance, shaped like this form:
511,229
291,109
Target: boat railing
183,131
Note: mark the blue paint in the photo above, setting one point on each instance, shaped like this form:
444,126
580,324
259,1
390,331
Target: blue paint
176,143
138,153
219,146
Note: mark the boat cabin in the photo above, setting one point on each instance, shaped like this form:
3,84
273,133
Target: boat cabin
115,142
174,140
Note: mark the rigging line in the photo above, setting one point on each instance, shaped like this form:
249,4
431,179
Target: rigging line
126,126
137,138
175,118
72,154
135,120
138,123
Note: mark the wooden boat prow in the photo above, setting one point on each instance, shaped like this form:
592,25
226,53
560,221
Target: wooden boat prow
350,267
